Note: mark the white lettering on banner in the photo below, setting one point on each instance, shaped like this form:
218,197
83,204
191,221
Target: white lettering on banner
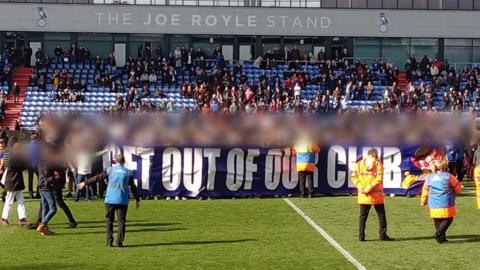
352,159
171,168
336,179
392,173
287,169
250,167
293,181
128,152
235,170
211,154
192,175
145,155
390,156
273,168
214,20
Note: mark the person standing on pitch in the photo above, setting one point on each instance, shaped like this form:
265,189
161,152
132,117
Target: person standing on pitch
119,179
476,178
305,151
367,176
439,192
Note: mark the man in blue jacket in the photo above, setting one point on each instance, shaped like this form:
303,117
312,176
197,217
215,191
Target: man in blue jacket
119,179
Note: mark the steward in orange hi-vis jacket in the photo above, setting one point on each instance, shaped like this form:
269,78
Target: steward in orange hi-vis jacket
476,177
367,176
305,151
439,192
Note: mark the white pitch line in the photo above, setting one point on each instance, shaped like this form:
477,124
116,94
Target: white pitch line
325,235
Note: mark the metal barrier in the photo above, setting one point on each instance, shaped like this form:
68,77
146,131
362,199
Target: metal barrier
461,65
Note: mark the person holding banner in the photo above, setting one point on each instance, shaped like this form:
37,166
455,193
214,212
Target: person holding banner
119,179
367,176
305,152
439,192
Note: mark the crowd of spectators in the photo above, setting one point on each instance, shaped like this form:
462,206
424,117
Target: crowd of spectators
217,86
460,87
6,69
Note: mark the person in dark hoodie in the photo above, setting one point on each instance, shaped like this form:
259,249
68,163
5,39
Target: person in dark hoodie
14,185
58,185
50,166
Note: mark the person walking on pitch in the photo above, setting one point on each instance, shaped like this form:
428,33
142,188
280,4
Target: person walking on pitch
119,179
439,192
367,176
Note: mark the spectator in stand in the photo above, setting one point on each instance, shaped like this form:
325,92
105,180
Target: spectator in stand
3,103
15,91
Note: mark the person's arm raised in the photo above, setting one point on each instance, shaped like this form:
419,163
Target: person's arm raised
92,180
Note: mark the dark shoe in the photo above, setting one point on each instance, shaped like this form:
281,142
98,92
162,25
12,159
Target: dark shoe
120,245
438,239
109,244
32,226
37,196
72,225
69,195
361,239
387,238
24,222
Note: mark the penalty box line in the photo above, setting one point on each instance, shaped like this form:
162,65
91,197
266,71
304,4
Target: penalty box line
325,235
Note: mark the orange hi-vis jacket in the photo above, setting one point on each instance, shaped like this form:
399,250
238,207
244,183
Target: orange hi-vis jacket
369,182
439,191
476,177
305,156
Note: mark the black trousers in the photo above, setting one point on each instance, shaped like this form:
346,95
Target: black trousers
121,212
459,170
31,172
305,177
382,219
61,203
441,226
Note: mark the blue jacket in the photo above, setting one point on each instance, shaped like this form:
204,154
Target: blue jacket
119,180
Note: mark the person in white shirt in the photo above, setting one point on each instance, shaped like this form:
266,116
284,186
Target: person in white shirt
296,91
84,170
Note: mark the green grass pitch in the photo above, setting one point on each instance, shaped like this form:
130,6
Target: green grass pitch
244,234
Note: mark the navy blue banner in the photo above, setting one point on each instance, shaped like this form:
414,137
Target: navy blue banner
246,171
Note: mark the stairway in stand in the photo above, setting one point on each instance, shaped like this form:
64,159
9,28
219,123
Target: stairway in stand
20,75
402,81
